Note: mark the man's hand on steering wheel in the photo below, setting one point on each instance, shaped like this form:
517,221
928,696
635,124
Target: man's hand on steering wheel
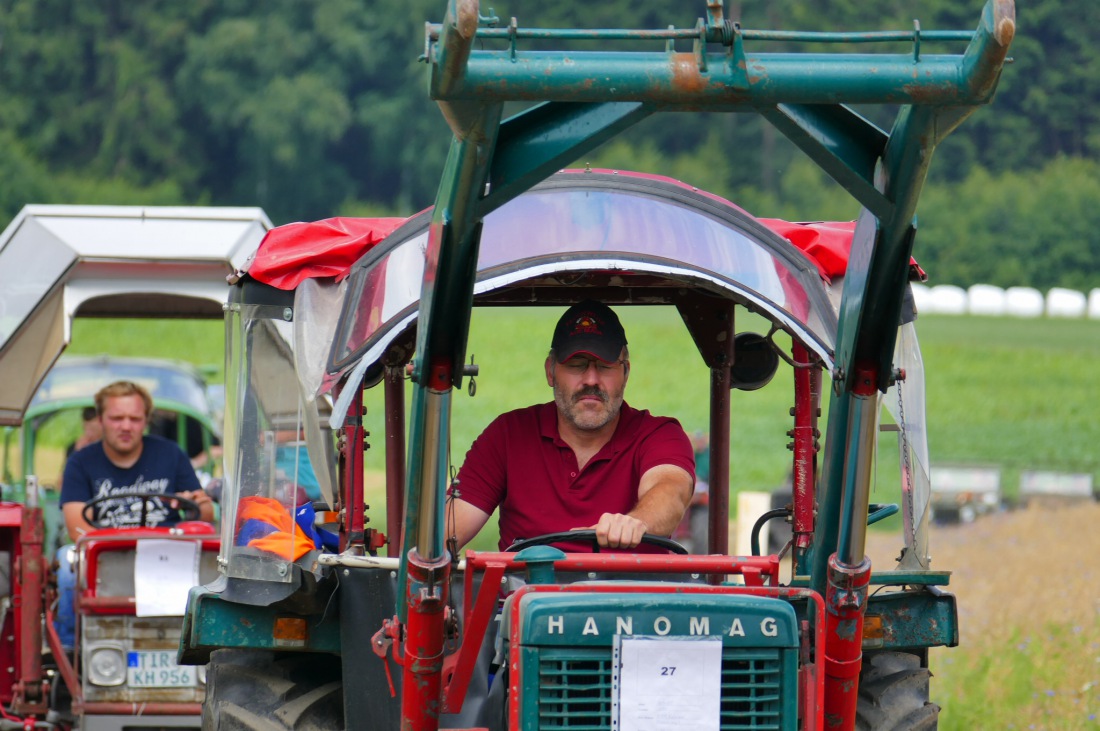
587,535
616,530
199,497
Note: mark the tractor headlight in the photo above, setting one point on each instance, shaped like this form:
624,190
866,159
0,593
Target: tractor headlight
106,666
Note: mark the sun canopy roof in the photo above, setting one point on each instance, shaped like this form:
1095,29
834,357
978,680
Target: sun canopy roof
57,262
627,238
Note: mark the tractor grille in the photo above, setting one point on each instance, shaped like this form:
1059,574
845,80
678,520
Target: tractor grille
575,689
575,692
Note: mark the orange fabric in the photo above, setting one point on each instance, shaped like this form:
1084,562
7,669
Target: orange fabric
287,541
267,509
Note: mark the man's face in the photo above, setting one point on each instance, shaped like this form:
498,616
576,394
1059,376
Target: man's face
123,422
588,391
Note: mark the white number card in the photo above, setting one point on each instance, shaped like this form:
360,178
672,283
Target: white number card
662,683
164,571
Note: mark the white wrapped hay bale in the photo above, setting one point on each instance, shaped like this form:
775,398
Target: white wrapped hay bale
1023,302
1094,304
947,299
1065,303
985,299
922,297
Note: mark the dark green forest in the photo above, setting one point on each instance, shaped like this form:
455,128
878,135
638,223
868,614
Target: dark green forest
314,109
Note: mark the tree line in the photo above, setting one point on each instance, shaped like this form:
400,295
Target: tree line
317,109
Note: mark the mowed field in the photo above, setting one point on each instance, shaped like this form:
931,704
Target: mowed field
1018,394
1028,590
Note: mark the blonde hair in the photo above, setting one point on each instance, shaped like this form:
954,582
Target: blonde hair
123,388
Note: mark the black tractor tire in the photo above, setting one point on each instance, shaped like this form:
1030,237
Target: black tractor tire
893,694
252,690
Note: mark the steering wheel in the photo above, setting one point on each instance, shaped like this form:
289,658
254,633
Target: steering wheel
190,509
589,536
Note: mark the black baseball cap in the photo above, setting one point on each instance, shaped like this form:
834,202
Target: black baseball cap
589,328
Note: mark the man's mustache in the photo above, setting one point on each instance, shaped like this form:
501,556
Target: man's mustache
590,391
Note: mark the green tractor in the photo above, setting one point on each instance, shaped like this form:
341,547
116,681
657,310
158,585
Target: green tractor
321,621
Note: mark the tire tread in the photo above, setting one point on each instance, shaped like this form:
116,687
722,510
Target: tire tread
251,690
894,694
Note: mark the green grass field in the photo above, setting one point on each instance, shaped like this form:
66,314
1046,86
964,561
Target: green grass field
1020,394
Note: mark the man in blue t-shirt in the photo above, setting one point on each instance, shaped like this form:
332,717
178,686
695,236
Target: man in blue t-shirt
127,462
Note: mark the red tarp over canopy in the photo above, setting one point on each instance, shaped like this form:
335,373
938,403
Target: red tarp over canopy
290,254
828,244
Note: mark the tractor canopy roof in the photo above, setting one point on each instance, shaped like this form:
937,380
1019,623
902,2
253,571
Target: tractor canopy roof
58,262
622,237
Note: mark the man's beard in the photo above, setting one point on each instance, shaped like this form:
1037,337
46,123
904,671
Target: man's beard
586,420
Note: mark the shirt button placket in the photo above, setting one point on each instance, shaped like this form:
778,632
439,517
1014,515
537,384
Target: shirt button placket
569,462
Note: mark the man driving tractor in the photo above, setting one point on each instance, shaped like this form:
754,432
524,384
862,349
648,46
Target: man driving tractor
586,461
127,462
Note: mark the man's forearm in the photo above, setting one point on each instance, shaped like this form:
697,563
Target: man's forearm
661,508
75,524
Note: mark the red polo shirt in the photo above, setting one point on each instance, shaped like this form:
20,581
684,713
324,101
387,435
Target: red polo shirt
521,465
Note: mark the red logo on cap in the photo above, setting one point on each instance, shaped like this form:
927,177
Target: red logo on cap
586,324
